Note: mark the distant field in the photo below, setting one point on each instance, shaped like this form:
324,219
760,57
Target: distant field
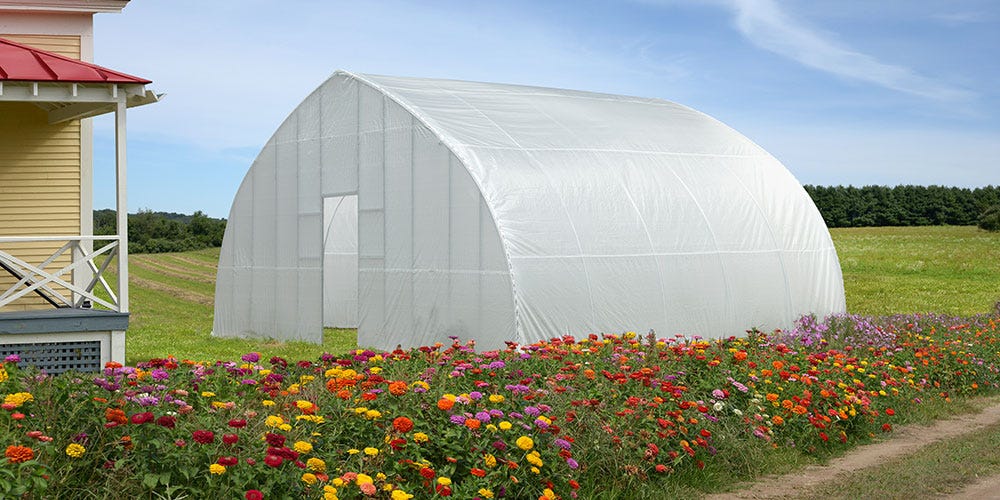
172,298
952,270
946,269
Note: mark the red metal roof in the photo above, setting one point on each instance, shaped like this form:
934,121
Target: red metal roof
24,63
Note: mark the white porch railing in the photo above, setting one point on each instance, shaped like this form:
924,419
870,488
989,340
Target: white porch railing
41,278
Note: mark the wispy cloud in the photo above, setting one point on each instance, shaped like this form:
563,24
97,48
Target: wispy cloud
957,19
769,27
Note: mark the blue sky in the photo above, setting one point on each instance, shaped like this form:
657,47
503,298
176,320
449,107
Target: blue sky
842,92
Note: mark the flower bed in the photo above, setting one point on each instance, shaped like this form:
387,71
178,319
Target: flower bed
559,419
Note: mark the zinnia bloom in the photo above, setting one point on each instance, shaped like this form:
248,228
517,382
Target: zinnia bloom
303,446
75,450
254,495
309,478
203,436
402,424
525,443
217,469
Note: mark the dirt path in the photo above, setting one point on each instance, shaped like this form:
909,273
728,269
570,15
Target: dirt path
907,440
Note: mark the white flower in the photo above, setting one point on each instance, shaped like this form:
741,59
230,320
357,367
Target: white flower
719,406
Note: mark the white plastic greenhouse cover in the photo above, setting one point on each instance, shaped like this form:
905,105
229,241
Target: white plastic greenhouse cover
504,212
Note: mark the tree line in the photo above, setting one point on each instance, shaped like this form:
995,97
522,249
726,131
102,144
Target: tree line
849,206
157,232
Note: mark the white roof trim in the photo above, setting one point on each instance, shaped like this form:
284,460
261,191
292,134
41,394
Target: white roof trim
91,6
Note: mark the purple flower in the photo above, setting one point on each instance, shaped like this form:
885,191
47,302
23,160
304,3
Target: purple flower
12,358
532,411
159,374
572,463
458,419
562,444
483,417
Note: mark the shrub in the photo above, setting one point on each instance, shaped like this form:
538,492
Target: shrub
990,218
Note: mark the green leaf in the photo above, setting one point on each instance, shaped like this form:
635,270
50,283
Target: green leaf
150,480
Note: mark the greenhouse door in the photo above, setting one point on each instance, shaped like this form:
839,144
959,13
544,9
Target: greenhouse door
340,262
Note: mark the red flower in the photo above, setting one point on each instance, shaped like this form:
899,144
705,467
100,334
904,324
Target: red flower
890,411
16,454
167,421
254,495
228,461
275,440
142,418
230,438
239,423
427,473
705,433
443,490
886,427
203,437
402,424
478,472
273,460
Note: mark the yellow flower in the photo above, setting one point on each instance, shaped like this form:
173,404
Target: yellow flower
496,398
364,478
217,469
525,443
265,372
536,470
381,477
505,425
353,451
316,464
375,370
75,450
316,419
485,493
285,427
338,482
267,402
273,421
18,398
534,458
420,383
444,481
303,404
218,404
491,427
309,478
420,437
3,374
490,460
207,394
329,492
305,379
401,495
372,414
371,452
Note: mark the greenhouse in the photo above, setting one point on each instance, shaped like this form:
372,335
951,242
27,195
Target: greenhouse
418,209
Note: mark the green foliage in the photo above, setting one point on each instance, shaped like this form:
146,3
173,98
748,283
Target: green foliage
162,232
990,218
901,205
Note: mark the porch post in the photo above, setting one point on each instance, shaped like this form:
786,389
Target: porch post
121,206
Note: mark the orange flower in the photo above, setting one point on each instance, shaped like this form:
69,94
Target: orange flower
472,423
397,388
787,404
445,404
402,424
115,415
16,454
777,420
478,472
799,410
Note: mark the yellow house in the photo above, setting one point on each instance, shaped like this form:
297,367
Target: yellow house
57,309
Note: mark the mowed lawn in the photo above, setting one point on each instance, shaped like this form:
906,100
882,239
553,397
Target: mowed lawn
954,270
943,269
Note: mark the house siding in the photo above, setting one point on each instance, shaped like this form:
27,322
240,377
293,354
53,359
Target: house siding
40,176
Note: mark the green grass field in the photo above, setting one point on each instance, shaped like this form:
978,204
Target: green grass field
944,269
887,270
